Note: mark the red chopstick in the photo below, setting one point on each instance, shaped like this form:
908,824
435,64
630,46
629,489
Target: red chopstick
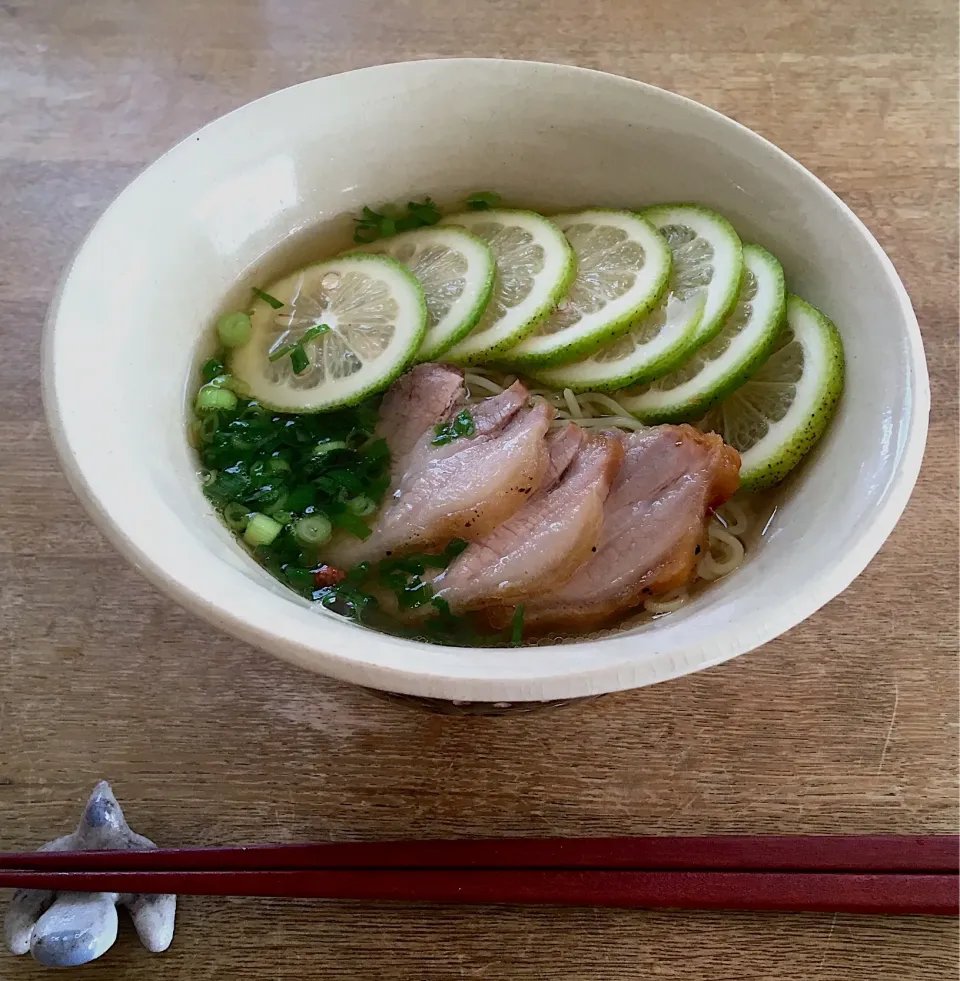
830,873
770,853
836,892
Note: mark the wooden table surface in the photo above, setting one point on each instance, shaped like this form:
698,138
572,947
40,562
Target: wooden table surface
847,724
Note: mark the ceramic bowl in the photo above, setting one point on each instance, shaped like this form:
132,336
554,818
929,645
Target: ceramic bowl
122,336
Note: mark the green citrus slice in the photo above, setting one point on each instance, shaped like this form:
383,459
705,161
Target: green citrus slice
776,417
455,270
707,255
647,350
533,266
375,315
622,270
713,371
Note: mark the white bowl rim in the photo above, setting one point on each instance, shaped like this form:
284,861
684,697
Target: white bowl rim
564,684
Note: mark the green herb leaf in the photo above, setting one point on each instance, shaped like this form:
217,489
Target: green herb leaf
350,522
300,498
359,573
462,425
376,451
365,234
414,594
482,200
267,298
453,550
373,225
427,213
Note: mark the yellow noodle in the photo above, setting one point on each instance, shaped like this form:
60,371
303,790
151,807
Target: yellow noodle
479,381
734,516
724,553
668,603
573,406
611,422
600,399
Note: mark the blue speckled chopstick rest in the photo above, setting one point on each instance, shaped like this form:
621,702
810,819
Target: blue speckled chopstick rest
66,929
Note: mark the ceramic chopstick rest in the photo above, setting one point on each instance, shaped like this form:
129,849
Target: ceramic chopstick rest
66,929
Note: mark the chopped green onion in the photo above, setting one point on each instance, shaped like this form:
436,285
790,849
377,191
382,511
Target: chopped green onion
362,506
322,449
267,298
229,381
482,200
278,514
261,530
236,516
211,368
281,352
516,626
210,398
298,357
234,329
311,332
299,361
208,426
313,530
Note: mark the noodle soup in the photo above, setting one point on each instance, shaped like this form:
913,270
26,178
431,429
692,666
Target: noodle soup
495,429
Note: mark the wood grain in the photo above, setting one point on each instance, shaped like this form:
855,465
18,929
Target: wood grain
846,724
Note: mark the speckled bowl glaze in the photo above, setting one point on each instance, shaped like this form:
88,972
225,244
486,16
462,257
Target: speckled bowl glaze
121,342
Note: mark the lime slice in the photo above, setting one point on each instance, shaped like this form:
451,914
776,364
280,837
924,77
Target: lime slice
622,270
723,364
533,268
706,255
648,350
777,416
376,315
455,270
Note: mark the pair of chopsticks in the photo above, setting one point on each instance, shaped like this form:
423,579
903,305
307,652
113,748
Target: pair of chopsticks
848,874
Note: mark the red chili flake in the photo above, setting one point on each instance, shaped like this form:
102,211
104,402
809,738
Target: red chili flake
328,575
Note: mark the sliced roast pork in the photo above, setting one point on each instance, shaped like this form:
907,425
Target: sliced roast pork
462,488
416,402
654,522
548,539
